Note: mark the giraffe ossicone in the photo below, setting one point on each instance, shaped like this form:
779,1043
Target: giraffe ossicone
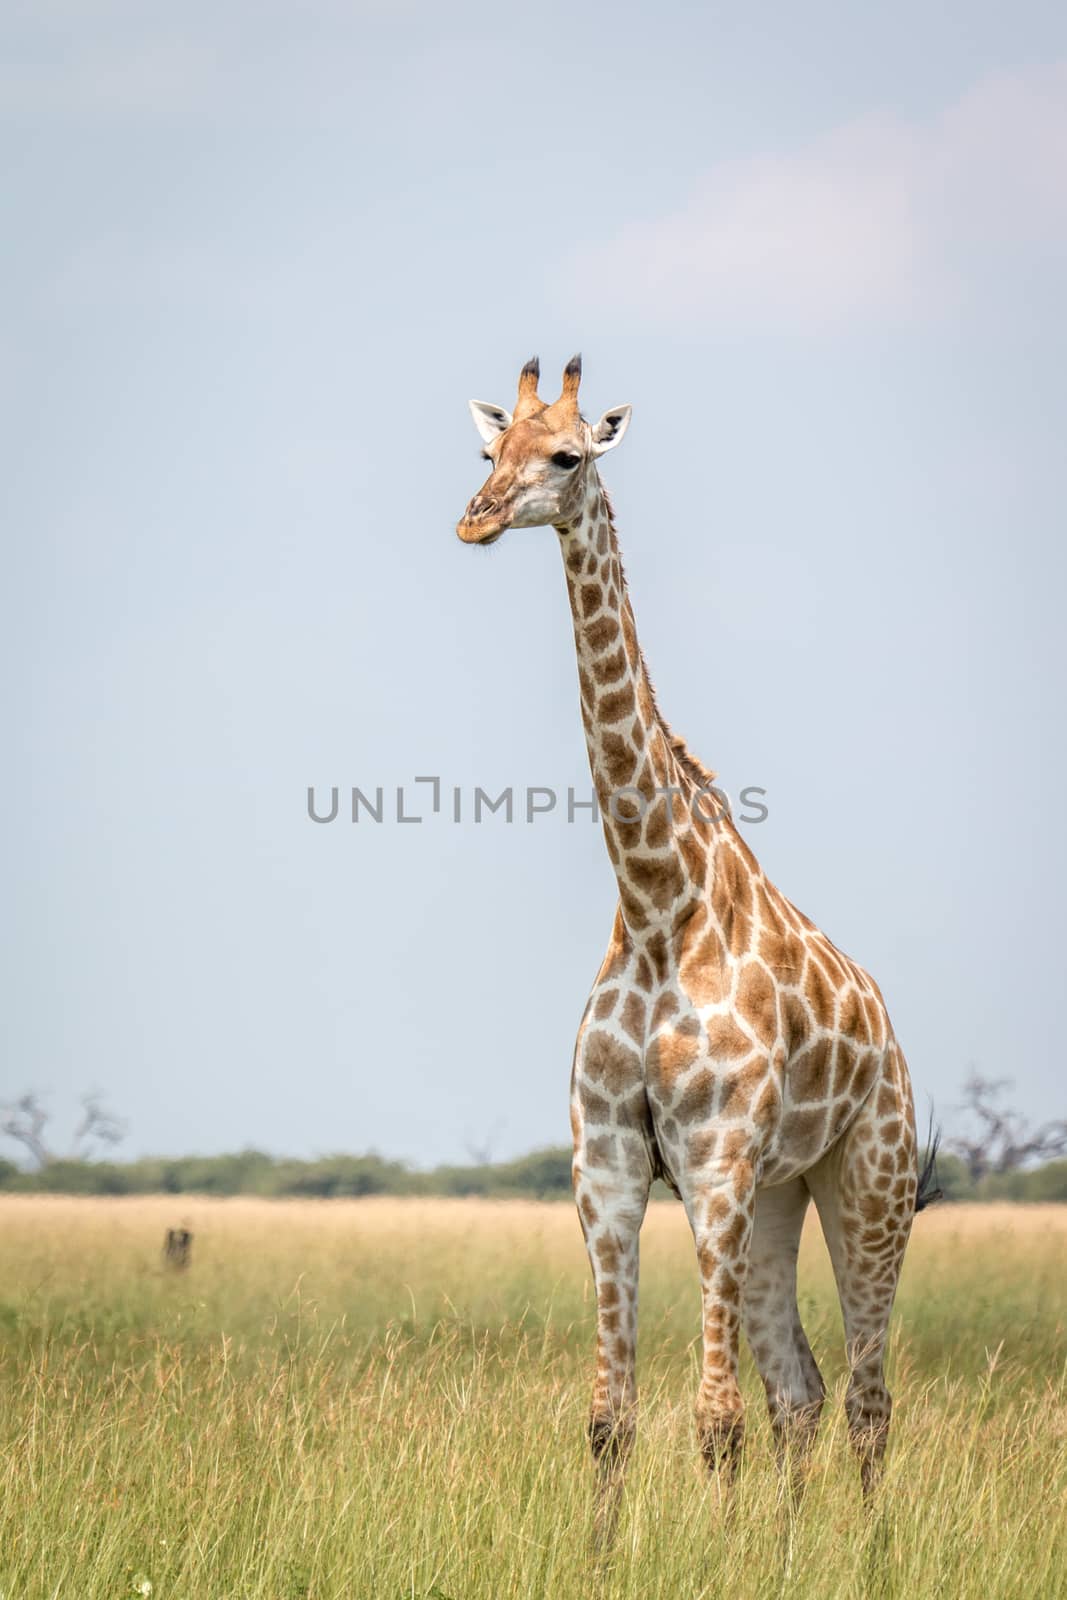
727,1046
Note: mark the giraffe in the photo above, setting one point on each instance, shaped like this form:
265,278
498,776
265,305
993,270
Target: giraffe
727,1046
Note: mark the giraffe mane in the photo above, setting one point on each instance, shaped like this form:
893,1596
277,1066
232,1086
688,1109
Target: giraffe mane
691,765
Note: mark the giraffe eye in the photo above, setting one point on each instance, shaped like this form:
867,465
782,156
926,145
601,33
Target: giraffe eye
564,459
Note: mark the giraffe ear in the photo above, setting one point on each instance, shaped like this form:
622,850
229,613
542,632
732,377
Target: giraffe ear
610,429
489,420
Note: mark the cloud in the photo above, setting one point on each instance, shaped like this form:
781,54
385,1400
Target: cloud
877,220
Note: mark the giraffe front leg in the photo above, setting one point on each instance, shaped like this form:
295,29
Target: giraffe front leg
612,1208
720,1205
612,1176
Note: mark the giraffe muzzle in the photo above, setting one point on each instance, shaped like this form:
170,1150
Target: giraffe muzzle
483,521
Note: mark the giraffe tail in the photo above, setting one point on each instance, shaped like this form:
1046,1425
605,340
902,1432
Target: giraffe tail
929,1189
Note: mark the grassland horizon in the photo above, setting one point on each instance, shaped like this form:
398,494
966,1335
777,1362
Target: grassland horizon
540,1174
387,1397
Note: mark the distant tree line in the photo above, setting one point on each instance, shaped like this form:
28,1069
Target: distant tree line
545,1174
998,1158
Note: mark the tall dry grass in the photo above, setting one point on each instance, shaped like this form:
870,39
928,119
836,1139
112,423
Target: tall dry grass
388,1397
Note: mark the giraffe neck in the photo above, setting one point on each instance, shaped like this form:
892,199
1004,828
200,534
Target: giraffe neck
658,842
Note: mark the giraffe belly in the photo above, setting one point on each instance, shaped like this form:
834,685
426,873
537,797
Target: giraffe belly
688,1075
717,1096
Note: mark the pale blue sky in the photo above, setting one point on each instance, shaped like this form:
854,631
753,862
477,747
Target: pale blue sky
256,260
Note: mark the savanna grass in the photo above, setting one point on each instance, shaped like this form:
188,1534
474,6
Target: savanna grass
387,1398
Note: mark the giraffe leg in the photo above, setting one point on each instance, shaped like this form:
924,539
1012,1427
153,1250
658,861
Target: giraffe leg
720,1206
612,1198
771,1321
864,1190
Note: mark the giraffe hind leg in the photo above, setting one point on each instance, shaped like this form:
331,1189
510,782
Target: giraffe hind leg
865,1191
791,1379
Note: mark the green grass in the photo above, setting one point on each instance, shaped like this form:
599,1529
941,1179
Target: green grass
387,1398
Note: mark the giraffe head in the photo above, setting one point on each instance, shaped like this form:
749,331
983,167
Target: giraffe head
541,457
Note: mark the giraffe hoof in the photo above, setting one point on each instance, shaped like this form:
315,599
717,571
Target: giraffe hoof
721,1442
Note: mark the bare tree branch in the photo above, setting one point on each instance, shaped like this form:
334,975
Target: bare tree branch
25,1120
1003,1141
97,1123
480,1151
